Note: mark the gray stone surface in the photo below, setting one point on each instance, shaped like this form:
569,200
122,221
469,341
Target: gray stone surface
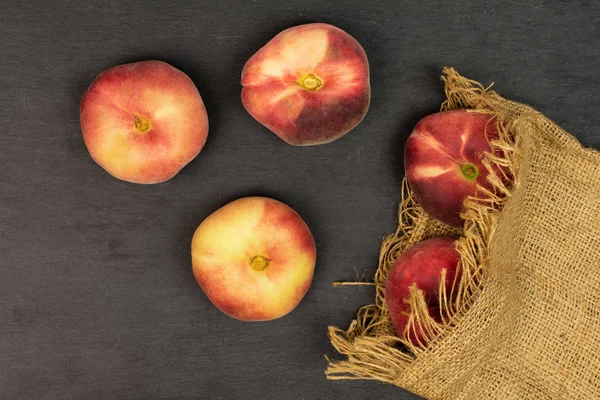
97,298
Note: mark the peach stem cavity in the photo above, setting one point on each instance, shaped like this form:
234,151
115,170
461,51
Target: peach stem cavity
310,82
469,171
259,263
141,124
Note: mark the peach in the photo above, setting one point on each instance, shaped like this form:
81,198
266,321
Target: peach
442,161
143,122
420,265
309,84
254,258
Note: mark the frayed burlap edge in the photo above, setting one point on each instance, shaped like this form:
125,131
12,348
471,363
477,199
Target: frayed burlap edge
372,349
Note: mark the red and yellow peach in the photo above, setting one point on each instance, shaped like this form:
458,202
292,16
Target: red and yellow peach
309,84
254,258
443,161
143,122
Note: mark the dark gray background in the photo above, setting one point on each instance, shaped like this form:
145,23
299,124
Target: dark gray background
97,297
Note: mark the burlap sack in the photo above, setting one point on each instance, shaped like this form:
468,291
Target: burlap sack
526,324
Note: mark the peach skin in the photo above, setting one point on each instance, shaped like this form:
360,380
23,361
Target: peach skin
254,258
143,122
309,84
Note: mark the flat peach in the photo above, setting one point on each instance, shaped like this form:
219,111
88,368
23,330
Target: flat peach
143,122
421,265
254,258
309,84
443,161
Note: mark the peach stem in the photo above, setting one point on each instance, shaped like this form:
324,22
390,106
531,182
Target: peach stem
310,82
141,124
259,263
469,171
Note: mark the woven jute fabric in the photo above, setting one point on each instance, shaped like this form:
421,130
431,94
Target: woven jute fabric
526,321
